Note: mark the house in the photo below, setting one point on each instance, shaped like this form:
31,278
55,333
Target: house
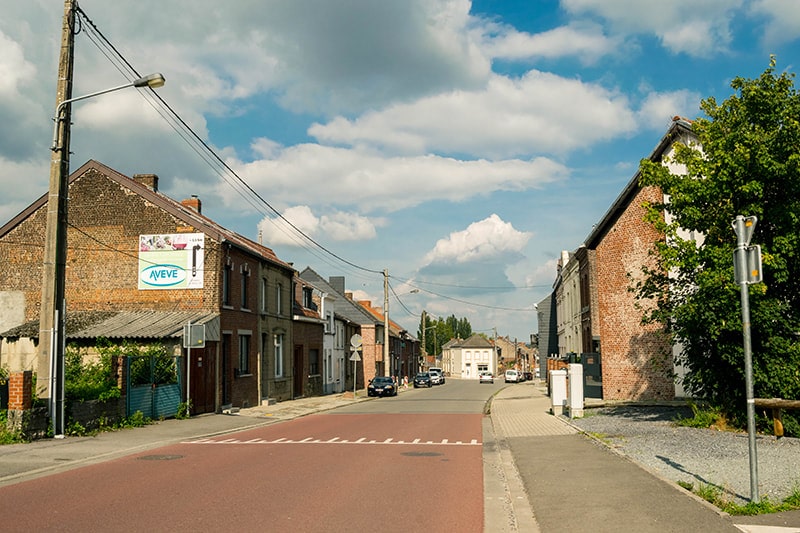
468,358
403,348
634,360
349,319
308,332
139,255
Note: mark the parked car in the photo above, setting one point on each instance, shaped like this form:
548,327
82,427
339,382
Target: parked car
486,377
528,376
436,378
439,371
423,379
512,376
382,386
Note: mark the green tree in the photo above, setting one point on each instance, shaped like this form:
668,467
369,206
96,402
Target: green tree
746,162
439,331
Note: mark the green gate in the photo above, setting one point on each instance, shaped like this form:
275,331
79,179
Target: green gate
153,385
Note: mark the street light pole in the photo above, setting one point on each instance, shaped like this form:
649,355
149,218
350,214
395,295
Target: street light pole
386,363
52,313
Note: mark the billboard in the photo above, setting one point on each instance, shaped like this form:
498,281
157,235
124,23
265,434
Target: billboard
171,261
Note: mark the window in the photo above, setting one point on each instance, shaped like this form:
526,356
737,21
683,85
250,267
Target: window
263,295
329,322
313,362
308,298
278,342
278,300
245,284
226,284
244,354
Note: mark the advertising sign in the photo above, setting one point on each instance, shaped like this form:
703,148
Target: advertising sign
171,261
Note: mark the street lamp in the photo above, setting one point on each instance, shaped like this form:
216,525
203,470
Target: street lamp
52,334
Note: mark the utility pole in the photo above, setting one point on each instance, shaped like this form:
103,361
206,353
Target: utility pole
50,370
386,363
424,350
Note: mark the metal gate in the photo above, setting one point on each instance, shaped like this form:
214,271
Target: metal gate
153,385
592,375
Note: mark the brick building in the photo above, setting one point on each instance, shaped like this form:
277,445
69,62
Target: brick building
636,359
123,237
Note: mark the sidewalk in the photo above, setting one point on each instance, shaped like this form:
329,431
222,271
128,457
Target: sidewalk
540,473
574,483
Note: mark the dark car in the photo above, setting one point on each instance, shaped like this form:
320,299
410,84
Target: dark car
423,379
528,376
382,386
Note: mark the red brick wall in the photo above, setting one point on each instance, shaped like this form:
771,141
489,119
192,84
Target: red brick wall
636,359
20,390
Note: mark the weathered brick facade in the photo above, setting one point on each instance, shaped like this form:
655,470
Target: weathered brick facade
107,214
636,359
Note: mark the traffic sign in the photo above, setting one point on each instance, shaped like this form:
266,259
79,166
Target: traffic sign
356,341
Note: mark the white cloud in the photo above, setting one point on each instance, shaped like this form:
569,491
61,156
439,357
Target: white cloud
338,226
658,109
372,183
695,28
584,40
539,113
783,16
487,239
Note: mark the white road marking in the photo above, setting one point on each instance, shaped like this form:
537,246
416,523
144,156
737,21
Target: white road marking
336,440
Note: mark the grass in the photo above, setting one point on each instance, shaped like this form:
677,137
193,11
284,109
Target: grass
715,496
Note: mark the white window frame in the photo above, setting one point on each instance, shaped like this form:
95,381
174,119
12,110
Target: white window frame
277,342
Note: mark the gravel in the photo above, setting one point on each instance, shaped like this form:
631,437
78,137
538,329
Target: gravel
648,436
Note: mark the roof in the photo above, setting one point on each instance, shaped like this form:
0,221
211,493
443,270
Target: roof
125,325
680,127
186,214
343,307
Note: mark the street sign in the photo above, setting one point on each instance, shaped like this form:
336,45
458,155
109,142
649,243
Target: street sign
194,336
744,228
355,356
356,341
752,262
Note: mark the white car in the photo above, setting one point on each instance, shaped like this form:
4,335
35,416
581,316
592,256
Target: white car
486,377
436,378
512,376
438,371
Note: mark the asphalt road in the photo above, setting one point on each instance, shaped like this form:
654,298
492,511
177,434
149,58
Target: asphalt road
408,463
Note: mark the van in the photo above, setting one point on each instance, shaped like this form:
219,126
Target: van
437,370
512,376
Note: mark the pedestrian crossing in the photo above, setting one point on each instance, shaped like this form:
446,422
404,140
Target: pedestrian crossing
337,440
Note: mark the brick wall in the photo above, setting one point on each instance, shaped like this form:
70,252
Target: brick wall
636,359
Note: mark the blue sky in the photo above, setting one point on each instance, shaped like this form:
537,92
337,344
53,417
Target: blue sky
460,145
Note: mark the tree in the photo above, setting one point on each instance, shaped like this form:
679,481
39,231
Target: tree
439,331
746,162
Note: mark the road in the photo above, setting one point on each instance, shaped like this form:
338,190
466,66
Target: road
408,463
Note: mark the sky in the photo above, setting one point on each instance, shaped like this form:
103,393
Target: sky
458,145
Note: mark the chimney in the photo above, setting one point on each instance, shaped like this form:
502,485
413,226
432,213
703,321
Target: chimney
148,180
337,282
193,203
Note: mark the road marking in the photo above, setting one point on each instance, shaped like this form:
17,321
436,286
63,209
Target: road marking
335,440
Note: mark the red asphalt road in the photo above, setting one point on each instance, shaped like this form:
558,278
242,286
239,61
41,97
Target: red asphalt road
350,473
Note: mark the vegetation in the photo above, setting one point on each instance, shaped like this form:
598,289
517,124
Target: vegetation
746,162
440,330
715,496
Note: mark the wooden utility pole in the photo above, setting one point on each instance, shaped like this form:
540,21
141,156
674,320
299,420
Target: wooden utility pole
50,371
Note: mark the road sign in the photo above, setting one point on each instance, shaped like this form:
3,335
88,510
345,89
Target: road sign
356,341
752,263
355,356
194,336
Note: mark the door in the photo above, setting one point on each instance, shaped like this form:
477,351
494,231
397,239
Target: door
298,371
592,375
202,380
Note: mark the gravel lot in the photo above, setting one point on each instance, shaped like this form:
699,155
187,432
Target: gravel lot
648,436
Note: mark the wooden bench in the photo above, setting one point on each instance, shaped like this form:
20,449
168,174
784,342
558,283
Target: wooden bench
777,405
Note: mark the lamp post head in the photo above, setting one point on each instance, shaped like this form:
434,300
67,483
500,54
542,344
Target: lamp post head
153,81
